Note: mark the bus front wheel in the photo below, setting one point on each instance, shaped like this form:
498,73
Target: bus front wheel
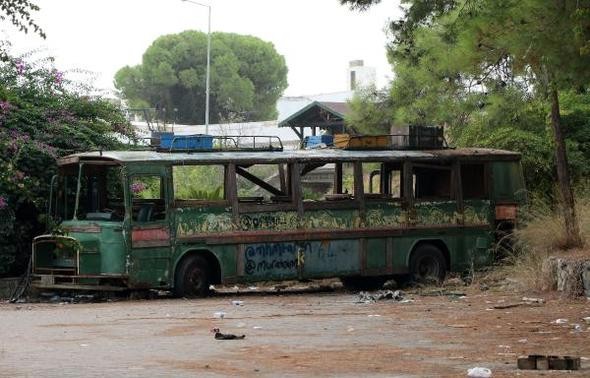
192,278
427,264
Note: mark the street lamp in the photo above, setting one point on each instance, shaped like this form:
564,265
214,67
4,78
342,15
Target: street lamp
208,62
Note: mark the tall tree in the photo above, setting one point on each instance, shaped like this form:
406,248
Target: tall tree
247,77
455,51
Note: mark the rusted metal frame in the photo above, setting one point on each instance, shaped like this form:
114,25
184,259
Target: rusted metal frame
231,191
338,178
263,184
408,192
282,180
359,198
269,236
78,188
457,189
296,188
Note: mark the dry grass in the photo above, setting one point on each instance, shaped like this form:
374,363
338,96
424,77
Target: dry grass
541,237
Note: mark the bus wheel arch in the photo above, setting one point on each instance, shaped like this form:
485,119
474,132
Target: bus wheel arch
194,272
429,258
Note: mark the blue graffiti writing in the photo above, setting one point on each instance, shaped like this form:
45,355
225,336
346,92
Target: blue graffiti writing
276,257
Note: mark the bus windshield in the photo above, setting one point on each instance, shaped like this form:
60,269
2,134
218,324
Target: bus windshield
100,197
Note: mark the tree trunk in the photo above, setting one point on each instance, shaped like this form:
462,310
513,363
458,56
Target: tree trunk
572,229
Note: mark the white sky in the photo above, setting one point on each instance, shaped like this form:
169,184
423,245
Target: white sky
317,37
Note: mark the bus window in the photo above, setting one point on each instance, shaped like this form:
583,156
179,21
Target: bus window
473,183
262,183
147,198
382,180
432,183
198,182
332,181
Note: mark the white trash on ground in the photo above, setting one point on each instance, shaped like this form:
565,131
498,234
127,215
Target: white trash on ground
479,372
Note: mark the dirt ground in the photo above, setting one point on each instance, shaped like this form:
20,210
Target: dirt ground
304,334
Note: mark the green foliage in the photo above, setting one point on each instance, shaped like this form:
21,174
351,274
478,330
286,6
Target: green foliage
204,182
371,112
483,69
19,13
247,77
41,118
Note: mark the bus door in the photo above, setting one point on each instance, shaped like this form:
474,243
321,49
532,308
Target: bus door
149,228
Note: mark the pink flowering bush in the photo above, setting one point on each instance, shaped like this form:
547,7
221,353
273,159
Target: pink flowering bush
42,117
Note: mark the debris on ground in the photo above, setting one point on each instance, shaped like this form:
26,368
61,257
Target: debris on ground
237,303
219,315
479,372
541,362
559,321
442,292
533,300
226,336
366,297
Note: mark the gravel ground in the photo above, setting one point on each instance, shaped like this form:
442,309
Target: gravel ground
305,334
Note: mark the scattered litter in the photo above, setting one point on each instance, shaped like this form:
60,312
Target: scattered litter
211,287
479,372
252,288
373,315
577,327
83,345
587,319
559,321
237,303
407,301
236,288
257,327
226,336
441,292
219,315
523,341
350,329
366,297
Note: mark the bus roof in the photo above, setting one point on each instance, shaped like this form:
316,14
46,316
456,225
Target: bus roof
327,154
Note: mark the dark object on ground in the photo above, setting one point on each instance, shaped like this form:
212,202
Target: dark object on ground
540,362
226,336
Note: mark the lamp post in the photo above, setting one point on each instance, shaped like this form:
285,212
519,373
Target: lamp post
208,62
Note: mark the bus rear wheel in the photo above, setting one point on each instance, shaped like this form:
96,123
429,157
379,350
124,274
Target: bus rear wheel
428,265
192,278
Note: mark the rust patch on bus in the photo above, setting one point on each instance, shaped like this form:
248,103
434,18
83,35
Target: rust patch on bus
150,237
506,212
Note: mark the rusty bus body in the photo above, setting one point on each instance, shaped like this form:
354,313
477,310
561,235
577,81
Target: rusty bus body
388,213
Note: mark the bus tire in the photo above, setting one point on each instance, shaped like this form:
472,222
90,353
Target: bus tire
192,278
427,264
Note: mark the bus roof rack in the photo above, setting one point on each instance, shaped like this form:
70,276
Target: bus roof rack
416,138
169,142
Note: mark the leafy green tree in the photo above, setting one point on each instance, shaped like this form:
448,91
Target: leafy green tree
452,57
247,77
42,117
19,14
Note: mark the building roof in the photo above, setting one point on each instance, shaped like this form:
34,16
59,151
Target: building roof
318,114
288,156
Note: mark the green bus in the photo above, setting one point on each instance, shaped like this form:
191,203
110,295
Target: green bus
184,220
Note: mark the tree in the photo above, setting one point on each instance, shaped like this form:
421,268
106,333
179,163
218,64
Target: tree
19,13
42,117
462,52
247,77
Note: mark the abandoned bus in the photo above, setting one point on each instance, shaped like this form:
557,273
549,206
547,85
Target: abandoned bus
184,220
